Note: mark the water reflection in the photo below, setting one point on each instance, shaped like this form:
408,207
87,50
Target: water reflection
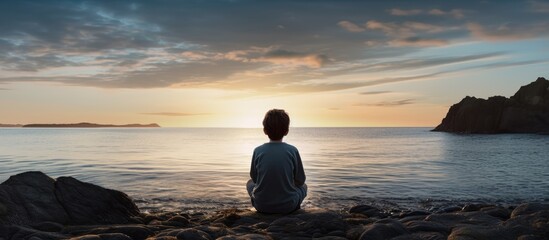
188,167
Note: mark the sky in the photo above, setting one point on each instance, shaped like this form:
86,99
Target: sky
225,63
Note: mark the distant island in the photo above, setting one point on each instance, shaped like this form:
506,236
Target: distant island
525,112
89,125
10,125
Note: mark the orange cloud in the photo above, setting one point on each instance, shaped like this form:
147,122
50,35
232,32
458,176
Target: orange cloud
351,27
296,59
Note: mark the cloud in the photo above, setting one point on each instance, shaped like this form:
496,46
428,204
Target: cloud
126,45
392,103
263,55
426,62
456,13
351,27
174,114
314,86
285,57
405,29
401,12
508,31
418,42
540,7
375,92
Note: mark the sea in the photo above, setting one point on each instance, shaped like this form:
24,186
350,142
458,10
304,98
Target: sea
197,169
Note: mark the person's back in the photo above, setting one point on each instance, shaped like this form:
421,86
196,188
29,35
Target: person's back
278,178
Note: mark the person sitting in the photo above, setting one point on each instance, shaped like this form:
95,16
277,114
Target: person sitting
277,183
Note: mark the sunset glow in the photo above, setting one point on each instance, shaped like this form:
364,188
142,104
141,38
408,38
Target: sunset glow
225,63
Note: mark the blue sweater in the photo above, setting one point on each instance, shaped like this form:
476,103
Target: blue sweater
278,175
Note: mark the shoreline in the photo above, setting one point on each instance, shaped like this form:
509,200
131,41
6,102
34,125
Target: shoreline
35,206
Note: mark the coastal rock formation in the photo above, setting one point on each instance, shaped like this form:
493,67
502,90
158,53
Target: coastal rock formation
32,198
35,206
525,112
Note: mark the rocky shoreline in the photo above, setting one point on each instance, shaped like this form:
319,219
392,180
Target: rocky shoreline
35,206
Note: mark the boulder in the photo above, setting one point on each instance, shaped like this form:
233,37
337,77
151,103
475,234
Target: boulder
525,112
384,229
32,198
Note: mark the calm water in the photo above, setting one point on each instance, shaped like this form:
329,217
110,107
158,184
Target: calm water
182,168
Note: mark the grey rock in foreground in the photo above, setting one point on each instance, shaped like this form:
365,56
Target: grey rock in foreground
32,198
525,112
69,209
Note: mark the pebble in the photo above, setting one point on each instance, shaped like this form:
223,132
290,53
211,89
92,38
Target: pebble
525,222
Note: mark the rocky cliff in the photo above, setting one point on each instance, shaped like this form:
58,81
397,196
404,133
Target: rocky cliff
525,112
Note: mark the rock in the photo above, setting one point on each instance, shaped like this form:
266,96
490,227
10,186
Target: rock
358,221
30,198
480,232
474,115
367,210
228,217
190,233
3,210
286,224
86,203
163,238
536,223
214,232
413,213
245,221
106,236
412,218
529,208
473,207
525,112
133,231
449,209
383,229
354,232
242,229
428,236
33,197
530,237
331,238
23,232
87,237
499,212
48,227
426,226
261,225
246,237
175,221
453,219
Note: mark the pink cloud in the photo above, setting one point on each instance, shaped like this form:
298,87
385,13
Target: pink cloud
402,12
507,32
